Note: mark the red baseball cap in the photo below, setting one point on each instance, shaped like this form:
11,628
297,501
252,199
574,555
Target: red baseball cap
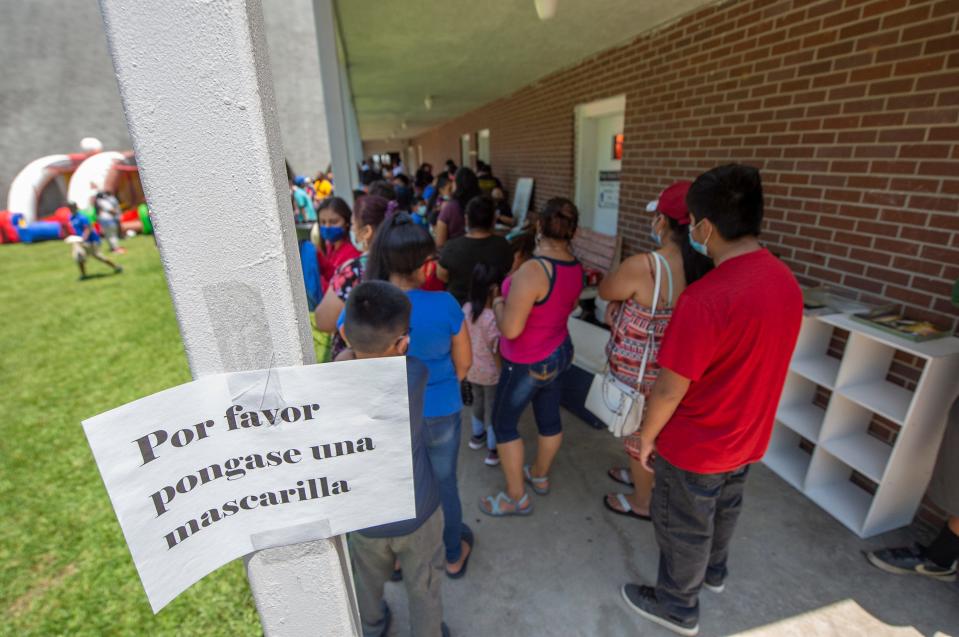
672,202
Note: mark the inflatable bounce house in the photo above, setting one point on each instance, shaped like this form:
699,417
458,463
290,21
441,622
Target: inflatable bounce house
36,208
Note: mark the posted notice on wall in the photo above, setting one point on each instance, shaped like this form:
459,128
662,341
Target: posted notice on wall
209,471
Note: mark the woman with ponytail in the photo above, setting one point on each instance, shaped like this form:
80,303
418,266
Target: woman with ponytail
629,289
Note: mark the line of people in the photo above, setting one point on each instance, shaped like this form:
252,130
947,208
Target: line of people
722,336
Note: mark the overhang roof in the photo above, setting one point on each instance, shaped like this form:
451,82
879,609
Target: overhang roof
467,53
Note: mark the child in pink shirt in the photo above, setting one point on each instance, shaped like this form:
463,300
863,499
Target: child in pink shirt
484,374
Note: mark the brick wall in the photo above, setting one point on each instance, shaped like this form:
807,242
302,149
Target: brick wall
849,107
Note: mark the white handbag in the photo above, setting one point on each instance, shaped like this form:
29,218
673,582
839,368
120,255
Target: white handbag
619,406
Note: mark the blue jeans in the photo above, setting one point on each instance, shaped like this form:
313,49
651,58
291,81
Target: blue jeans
443,446
520,384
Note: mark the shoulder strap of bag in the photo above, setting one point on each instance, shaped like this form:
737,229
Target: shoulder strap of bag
669,279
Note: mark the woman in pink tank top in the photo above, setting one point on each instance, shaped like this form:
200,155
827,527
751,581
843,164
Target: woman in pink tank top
535,345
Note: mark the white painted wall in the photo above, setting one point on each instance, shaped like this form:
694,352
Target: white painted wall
204,126
57,83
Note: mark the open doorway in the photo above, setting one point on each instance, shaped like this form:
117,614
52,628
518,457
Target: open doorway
599,160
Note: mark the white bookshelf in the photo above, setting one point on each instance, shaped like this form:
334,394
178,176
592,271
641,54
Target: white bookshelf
837,434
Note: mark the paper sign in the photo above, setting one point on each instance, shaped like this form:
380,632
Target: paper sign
206,472
607,194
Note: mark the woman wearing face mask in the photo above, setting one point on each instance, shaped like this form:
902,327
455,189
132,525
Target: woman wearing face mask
630,289
369,214
335,249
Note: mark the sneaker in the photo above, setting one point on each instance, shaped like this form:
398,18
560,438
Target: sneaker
118,270
492,459
714,584
478,442
910,561
642,599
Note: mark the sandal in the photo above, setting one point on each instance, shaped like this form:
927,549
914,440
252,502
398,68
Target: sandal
493,505
536,483
627,508
621,475
466,535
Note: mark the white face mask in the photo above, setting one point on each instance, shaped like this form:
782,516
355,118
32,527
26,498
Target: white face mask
356,242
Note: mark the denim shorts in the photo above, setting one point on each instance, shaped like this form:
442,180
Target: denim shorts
537,383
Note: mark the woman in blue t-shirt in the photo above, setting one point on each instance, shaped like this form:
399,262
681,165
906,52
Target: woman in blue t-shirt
400,254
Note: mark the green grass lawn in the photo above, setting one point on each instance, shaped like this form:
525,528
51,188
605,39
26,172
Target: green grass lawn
70,350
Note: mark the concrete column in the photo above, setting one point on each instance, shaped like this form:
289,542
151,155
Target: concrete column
196,88
336,99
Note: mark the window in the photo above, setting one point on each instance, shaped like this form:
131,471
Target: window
465,150
482,145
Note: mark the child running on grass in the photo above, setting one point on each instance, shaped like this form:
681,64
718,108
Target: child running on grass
377,324
484,337
89,244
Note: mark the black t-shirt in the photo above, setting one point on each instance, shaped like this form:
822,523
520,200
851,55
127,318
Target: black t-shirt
459,256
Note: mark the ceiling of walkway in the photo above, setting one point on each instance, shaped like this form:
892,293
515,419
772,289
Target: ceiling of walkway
465,53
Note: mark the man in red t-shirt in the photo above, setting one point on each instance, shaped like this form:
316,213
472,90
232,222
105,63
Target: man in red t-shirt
723,363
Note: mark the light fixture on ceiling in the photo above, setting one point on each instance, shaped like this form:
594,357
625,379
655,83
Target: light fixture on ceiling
428,102
545,9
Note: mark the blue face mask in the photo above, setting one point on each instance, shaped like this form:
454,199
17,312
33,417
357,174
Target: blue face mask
421,210
332,233
697,246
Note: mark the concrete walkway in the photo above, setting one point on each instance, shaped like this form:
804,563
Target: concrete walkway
794,570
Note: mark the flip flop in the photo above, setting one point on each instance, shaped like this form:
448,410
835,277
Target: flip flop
627,508
467,535
621,475
536,483
493,505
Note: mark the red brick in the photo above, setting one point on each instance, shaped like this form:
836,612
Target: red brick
911,101
928,30
882,6
934,203
904,217
894,167
923,235
905,17
908,296
859,283
942,80
914,184
902,135
945,44
920,66
936,116
891,86
942,255
876,41
887,275
909,264
901,52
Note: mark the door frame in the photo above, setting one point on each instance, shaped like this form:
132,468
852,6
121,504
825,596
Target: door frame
584,153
